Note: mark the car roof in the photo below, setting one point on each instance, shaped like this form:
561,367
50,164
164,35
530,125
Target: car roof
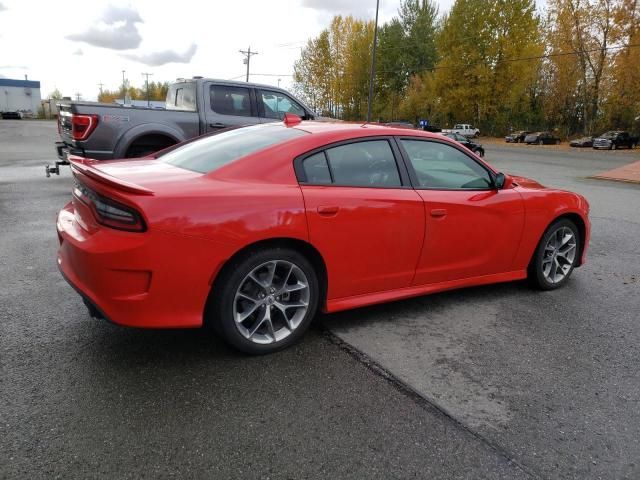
359,129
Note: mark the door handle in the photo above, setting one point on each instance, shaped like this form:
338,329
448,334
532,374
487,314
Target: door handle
217,125
328,210
438,212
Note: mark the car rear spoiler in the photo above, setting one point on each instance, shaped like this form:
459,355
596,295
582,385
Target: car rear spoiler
85,166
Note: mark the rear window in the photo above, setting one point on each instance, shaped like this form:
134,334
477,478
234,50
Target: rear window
210,153
181,96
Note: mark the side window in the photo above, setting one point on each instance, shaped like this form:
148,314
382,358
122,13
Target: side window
368,163
440,166
230,100
316,169
276,104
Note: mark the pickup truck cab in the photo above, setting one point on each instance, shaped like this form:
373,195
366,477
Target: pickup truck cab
614,140
193,107
464,129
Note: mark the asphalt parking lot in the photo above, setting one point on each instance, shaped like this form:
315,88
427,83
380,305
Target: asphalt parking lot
489,382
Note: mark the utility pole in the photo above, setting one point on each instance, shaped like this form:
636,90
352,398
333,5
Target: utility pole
247,58
78,95
124,88
373,64
100,85
147,81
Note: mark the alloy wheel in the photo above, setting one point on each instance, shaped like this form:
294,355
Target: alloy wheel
271,302
559,255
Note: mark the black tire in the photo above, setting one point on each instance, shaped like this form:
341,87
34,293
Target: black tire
536,276
147,145
220,313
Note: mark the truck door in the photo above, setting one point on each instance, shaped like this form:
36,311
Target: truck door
229,106
272,106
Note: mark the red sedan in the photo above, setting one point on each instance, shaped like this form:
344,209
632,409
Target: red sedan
253,230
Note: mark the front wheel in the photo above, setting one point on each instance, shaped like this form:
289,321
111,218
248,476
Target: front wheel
556,256
265,301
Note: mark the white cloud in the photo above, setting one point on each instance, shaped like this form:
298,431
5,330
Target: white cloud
2,7
357,8
116,30
155,59
78,52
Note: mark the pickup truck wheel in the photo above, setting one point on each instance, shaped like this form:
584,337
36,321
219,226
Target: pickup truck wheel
147,145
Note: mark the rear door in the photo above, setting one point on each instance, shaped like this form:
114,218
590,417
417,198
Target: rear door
229,106
472,229
363,215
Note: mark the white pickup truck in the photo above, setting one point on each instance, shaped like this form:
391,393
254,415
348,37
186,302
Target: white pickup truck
463,129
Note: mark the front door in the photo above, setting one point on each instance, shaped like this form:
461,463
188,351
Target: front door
363,216
472,229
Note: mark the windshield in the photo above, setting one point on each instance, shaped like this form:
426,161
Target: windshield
609,134
210,153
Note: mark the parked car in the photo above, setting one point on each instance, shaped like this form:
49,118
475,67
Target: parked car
542,138
471,145
398,124
516,137
464,129
582,142
11,115
193,107
614,140
252,230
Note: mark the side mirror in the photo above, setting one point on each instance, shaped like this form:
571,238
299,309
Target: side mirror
499,181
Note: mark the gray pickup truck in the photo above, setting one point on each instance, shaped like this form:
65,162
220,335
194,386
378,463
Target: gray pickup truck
193,107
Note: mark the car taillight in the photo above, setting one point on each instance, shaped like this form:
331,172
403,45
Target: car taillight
83,125
108,212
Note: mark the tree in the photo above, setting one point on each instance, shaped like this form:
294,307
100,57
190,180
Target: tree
622,108
55,95
332,72
585,30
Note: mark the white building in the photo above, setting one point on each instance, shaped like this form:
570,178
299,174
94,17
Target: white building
19,95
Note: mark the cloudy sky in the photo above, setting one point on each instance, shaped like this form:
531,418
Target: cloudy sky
74,45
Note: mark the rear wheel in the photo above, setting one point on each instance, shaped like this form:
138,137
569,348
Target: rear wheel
556,256
147,145
265,301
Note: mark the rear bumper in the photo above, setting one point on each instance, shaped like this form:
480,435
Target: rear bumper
148,280
63,150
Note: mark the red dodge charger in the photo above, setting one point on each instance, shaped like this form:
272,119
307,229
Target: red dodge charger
252,230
